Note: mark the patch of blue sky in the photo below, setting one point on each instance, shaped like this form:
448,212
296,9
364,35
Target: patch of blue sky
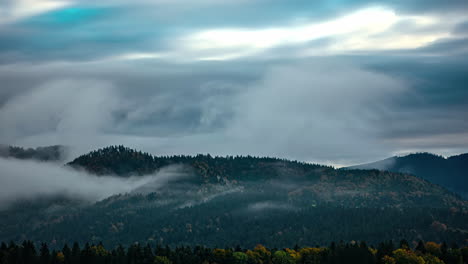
67,16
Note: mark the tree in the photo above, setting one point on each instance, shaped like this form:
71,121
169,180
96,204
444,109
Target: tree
240,258
294,254
431,259
221,255
404,244
66,253
405,256
75,254
420,247
29,252
60,257
45,254
311,255
161,260
433,248
388,260
281,257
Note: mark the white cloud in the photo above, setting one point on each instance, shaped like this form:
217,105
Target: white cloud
366,29
20,9
28,180
67,108
318,111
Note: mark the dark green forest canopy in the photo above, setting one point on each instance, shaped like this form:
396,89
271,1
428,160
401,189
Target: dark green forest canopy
123,161
247,200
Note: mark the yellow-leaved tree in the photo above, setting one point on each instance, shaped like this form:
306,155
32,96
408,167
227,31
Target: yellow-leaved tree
406,256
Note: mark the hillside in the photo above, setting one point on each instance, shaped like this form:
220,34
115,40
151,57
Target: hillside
242,200
451,172
322,184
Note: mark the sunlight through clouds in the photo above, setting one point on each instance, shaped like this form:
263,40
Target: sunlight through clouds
20,9
365,29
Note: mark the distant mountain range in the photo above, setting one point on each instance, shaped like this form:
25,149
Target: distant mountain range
451,172
243,200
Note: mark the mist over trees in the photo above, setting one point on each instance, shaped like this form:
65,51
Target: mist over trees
224,201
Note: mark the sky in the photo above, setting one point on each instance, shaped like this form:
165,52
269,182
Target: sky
336,82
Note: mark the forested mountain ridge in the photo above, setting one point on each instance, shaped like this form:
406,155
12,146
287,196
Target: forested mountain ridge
224,201
123,161
451,172
317,183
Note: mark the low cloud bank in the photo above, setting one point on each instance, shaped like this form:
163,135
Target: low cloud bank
22,180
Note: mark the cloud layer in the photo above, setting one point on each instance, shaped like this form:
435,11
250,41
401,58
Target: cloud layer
343,82
294,110
22,180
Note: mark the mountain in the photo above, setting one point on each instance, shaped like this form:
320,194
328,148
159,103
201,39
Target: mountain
49,153
224,201
451,172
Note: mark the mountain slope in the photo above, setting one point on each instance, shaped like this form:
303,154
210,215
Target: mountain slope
323,183
243,200
451,172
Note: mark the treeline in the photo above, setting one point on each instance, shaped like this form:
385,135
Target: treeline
123,161
349,253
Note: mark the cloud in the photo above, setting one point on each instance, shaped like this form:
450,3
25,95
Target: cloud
323,109
23,180
68,108
293,110
367,29
181,77
13,10
130,34
304,108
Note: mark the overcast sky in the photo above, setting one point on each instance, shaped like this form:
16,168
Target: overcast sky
336,82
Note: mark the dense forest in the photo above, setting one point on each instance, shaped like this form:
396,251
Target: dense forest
240,200
224,201
123,161
125,220
337,253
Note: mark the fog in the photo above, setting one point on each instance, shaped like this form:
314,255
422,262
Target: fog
291,110
22,180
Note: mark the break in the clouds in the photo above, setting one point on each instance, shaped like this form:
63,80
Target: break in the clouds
326,81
